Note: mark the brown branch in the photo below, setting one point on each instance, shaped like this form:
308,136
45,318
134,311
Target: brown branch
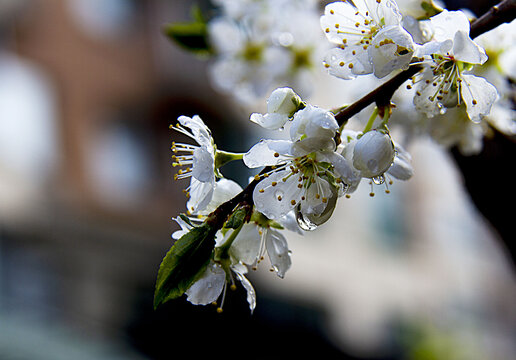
504,12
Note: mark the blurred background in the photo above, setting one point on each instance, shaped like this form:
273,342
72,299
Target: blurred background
88,89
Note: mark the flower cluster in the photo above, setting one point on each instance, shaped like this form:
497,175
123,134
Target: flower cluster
260,45
318,158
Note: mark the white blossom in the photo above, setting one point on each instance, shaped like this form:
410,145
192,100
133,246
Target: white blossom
198,161
260,45
446,82
369,37
306,167
281,106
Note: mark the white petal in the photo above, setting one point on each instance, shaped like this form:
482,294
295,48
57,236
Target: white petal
387,57
447,23
401,168
200,131
203,165
264,153
316,197
251,293
311,144
246,246
224,190
343,167
274,195
478,95
313,121
434,47
277,249
269,121
337,16
200,195
185,227
208,288
466,50
349,62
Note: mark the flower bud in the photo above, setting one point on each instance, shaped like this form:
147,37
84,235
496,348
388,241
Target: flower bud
283,101
373,153
281,106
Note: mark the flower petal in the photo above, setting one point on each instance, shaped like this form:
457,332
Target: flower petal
277,249
466,50
269,121
246,247
277,195
267,153
251,293
203,165
478,95
447,23
200,195
349,62
392,49
208,288
401,168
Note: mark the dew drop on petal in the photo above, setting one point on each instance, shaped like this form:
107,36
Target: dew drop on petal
304,223
378,180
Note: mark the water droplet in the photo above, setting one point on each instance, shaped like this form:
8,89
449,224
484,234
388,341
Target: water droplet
378,180
304,223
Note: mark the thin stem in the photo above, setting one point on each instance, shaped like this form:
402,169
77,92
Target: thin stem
372,118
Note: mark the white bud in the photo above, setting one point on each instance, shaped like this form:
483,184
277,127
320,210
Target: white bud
281,106
283,101
373,153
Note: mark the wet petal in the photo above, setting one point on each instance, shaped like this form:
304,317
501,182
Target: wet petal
276,195
246,246
267,152
203,165
277,249
208,288
478,95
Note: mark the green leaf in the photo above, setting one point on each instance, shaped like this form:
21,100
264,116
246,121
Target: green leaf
184,263
190,36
